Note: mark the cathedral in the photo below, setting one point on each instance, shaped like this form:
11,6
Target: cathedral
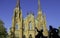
25,27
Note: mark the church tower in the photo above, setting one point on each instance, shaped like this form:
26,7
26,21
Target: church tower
39,16
45,30
17,21
41,21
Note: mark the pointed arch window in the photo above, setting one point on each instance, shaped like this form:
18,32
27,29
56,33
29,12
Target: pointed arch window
16,27
23,27
30,26
16,13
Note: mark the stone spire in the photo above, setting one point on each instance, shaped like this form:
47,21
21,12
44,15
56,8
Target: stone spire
39,8
18,4
45,30
39,16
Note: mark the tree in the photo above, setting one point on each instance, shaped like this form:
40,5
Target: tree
3,32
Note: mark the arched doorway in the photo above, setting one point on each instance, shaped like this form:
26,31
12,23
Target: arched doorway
30,36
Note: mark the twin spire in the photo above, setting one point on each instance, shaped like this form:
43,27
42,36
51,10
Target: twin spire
18,4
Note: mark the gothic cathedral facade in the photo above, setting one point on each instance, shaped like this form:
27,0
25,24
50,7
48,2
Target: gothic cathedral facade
25,27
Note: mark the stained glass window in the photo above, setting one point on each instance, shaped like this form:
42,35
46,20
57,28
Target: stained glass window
30,26
16,27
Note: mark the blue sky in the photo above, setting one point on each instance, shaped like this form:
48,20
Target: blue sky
50,7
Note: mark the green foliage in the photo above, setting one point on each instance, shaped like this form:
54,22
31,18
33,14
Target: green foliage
3,32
